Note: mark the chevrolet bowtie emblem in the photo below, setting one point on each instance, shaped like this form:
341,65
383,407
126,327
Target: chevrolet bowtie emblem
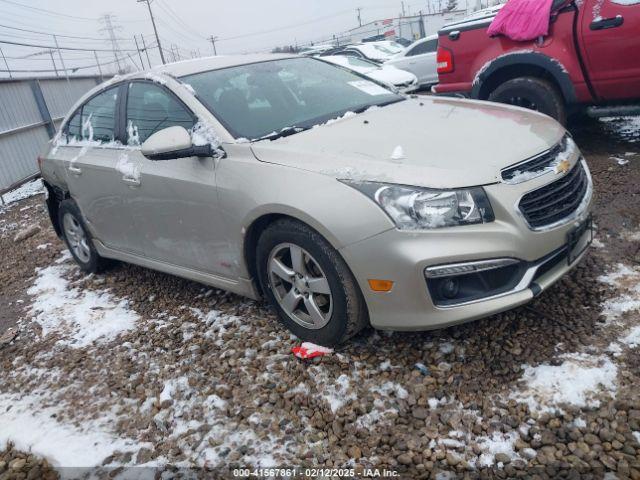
563,167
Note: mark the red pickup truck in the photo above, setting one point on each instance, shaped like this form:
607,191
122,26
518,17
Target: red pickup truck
591,58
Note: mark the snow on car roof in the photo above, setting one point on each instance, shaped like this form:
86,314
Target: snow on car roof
197,65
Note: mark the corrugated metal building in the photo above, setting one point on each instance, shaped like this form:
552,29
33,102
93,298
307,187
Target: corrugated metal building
31,109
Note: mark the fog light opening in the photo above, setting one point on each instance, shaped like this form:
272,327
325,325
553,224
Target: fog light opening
450,288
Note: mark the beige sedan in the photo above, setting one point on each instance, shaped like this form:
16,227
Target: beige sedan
342,202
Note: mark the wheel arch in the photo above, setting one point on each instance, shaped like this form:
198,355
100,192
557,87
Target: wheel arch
530,64
260,222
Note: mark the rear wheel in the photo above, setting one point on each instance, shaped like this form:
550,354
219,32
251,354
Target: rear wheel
309,285
534,94
78,238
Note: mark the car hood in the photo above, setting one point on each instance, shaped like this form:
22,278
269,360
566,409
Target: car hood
428,141
392,75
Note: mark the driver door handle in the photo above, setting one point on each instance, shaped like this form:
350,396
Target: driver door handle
132,182
75,170
606,23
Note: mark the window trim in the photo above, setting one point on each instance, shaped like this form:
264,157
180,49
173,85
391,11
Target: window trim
125,104
64,129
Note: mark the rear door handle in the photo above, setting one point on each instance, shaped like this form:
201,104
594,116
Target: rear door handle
606,23
132,182
75,170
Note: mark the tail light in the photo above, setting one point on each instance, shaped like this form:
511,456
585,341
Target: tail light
40,160
445,60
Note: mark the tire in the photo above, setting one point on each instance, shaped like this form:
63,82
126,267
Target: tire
534,94
339,315
78,238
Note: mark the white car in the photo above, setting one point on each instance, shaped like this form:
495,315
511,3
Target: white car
419,58
377,51
402,80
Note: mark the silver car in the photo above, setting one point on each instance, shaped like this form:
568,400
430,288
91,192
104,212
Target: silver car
342,202
419,58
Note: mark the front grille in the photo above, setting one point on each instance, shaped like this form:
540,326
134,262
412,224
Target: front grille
557,200
536,165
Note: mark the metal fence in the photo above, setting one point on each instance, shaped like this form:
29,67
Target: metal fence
31,110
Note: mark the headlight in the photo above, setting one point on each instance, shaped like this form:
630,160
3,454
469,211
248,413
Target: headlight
416,208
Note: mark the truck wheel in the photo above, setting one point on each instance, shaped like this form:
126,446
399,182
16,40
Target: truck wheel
78,238
309,285
534,94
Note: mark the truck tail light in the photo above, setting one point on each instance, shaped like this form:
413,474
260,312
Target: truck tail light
445,60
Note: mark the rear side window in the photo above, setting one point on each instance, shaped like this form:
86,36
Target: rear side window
96,119
150,109
429,46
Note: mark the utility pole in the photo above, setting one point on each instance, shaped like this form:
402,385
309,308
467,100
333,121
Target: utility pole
95,54
66,72
6,64
107,20
155,30
403,13
213,42
359,9
135,39
54,63
146,50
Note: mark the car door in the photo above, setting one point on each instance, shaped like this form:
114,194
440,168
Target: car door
421,61
90,151
611,45
174,203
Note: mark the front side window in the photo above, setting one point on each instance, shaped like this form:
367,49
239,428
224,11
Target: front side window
96,119
257,99
428,46
150,109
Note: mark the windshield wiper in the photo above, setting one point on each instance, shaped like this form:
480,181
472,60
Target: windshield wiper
284,132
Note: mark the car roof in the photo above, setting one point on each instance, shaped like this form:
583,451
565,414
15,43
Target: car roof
197,65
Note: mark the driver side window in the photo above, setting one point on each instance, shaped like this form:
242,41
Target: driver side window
150,109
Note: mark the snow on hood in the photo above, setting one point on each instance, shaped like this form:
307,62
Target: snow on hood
392,75
446,143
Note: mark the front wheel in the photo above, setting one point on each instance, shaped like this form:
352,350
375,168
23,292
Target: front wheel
309,285
534,94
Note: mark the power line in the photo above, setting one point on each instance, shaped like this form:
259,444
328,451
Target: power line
51,12
53,47
57,34
287,27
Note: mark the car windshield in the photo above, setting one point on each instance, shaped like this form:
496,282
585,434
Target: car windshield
259,99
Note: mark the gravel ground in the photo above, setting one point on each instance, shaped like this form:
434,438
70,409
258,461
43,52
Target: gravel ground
137,368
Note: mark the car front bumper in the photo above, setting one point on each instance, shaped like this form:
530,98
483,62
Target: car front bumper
403,257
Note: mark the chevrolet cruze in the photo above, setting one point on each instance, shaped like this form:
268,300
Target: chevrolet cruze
341,201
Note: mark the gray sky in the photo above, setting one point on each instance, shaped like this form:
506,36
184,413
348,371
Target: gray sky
183,24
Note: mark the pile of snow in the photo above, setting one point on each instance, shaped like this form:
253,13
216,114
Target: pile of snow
128,169
79,316
497,443
29,189
547,387
33,428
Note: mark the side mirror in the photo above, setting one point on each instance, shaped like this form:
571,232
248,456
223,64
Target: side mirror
171,143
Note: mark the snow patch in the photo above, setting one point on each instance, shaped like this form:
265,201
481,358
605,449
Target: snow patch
80,317
398,153
626,127
26,190
546,386
33,428
128,169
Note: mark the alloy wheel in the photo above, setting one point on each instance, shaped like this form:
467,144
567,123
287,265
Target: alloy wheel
300,286
76,237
